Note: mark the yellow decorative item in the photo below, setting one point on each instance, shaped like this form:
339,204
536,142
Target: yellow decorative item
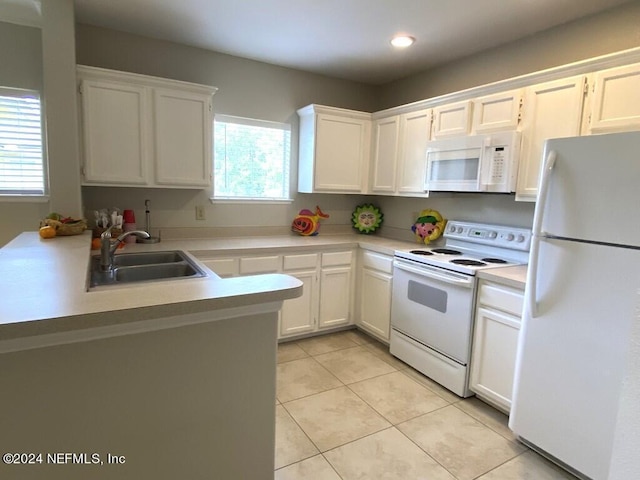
47,231
307,222
428,226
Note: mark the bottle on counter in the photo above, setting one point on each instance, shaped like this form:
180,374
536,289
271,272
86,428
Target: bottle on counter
129,224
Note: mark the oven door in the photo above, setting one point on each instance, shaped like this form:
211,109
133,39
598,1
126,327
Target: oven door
434,307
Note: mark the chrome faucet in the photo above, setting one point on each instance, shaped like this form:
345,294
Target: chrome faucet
108,248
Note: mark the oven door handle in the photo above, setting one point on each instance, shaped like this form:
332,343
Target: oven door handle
429,272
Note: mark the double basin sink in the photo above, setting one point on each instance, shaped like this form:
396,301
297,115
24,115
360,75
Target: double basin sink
144,267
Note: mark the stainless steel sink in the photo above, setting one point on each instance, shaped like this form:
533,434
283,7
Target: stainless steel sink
145,267
147,258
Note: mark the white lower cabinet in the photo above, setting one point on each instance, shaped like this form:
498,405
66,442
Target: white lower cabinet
327,293
495,342
298,314
335,289
374,296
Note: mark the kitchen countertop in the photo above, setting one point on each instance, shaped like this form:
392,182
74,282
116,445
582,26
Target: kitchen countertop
44,282
511,276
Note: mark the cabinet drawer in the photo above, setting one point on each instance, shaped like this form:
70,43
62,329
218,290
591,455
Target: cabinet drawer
224,267
336,258
297,262
259,264
501,297
376,261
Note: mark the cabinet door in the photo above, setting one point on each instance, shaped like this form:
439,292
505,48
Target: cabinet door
341,150
335,297
414,128
498,112
551,110
494,356
385,155
452,120
224,267
297,314
375,302
115,132
615,104
182,140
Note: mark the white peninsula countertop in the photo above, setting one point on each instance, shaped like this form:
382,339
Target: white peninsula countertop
44,289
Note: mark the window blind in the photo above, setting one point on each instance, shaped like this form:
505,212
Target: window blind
21,155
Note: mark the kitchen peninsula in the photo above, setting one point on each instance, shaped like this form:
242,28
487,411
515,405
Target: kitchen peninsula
173,379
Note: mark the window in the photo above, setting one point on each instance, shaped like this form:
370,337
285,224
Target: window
22,170
251,159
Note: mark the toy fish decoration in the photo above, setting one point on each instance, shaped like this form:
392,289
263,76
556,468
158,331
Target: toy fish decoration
308,223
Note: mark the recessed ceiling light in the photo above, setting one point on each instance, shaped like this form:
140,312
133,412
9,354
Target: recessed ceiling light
402,41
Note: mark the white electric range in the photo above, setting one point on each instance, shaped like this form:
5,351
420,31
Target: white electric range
434,290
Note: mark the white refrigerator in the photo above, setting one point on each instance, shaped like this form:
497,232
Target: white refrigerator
581,300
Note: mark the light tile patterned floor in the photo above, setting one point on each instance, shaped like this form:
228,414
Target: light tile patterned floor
347,409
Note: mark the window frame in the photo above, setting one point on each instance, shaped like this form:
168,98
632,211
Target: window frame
15,196
224,118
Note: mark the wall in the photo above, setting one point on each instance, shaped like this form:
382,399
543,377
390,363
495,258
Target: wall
50,68
246,88
21,60
611,31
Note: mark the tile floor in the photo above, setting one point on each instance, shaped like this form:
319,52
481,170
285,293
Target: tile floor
346,409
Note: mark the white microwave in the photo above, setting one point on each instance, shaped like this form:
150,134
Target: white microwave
476,163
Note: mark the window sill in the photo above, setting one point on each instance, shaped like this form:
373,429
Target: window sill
251,201
24,198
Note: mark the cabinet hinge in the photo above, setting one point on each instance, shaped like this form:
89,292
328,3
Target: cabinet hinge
586,85
80,88
83,170
520,106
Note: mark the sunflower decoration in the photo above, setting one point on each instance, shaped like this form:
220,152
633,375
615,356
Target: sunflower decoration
428,226
366,218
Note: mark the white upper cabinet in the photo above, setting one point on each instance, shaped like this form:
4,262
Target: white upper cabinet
399,153
115,132
551,110
144,131
452,120
386,132
497,113
334,150
615,100
182,140
414,135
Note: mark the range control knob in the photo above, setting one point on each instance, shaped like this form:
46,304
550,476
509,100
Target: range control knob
510,237
520,238
452,228
493,234
459,230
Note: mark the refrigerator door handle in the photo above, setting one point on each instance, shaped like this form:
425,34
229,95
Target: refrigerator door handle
532,279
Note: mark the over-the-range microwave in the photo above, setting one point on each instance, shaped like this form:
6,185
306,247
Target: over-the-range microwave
476,163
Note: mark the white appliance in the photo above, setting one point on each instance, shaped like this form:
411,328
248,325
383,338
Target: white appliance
434,291
580,300
476,163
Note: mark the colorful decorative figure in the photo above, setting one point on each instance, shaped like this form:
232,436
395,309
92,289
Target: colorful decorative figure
366,218
307,223
428,226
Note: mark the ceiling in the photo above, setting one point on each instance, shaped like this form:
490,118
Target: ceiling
339,38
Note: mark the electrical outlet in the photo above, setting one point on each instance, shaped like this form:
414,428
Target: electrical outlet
200,212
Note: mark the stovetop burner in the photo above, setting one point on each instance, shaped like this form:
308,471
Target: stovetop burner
494,260
421,252
468,262
447,251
